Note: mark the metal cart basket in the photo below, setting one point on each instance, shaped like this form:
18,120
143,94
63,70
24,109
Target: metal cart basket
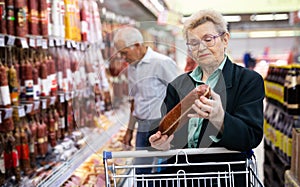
124,174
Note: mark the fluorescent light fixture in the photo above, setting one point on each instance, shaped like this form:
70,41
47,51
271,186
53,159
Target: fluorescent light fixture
269,17
238,35
262,34
236,18
287,33
281,17
157,5
262,17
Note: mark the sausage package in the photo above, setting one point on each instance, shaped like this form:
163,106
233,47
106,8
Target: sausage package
177,117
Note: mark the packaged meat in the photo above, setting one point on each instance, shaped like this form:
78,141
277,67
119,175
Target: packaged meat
177,117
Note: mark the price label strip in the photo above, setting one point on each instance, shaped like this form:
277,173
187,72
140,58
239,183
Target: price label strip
31,42
36,105
39,42
11,40
62,98
24,43
44,44
51,42
2,41
21,111
44,103
29,108
52,100
8,113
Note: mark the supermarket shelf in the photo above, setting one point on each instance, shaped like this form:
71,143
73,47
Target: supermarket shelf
94,142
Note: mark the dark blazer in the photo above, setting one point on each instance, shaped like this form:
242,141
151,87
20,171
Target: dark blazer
242,93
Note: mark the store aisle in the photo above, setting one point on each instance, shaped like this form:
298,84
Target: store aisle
259,153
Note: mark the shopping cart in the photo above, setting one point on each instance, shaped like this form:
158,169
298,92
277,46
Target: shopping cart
124,174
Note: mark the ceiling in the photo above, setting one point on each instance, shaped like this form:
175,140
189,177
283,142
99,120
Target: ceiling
138,10
131,8
187,7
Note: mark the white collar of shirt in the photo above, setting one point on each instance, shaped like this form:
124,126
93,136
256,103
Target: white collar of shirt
147,56
196,74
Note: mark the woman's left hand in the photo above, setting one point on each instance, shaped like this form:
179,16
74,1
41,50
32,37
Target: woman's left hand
210,109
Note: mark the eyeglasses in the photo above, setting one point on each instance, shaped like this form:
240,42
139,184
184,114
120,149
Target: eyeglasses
208,40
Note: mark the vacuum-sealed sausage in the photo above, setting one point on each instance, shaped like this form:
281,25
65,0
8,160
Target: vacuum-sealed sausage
177,117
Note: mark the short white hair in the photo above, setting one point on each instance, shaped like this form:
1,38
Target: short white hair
129,35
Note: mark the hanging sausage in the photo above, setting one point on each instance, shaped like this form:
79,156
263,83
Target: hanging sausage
3,29
10,17
33,17
20,7
43,18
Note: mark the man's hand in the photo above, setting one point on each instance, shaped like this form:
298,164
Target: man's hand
127,139
160,142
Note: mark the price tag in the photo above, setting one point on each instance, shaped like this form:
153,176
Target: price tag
31,42
8,113
36,105
69,44
82,48
57,41
52,100
2,41
44,103
44,44
67,97
38,42
102,45
74,44
61,98
78,46
62,41
11,40
24,43
51,42
21,111
29,108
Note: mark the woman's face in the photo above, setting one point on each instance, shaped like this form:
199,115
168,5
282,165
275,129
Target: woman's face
206,45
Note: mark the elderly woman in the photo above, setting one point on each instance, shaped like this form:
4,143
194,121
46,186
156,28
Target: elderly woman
233,116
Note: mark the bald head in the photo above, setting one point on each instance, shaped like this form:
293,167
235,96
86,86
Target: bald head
127,36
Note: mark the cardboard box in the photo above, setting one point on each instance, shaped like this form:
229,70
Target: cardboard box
295,160
290,180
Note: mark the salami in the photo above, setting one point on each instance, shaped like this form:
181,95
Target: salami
177,117
2,17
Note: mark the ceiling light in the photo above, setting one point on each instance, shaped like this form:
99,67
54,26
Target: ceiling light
281,17
236,18
287,33
262,17
262,34
269,17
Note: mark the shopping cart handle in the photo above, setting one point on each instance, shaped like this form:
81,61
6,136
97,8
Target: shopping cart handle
172,152
107,155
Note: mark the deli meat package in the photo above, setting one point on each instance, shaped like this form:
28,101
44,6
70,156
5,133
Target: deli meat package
177,117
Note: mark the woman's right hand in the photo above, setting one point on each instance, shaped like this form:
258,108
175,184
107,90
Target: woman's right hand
161,142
